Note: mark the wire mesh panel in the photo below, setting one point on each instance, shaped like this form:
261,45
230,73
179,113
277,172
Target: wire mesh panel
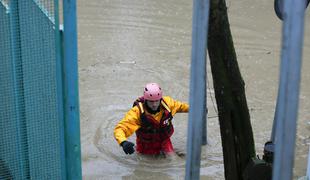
11,160
31,119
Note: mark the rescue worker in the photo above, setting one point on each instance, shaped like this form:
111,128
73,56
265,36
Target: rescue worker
151,119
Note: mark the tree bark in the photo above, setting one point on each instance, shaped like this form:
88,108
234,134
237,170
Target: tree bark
234,118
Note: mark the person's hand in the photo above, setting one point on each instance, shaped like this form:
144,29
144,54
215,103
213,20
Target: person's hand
128,147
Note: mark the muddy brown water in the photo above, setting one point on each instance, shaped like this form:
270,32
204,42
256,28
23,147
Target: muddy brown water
125,44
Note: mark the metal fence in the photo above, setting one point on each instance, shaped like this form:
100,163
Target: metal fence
31,106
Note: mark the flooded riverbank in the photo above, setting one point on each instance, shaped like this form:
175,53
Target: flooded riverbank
125,44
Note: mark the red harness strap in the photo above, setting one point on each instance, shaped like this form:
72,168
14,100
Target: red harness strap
153,137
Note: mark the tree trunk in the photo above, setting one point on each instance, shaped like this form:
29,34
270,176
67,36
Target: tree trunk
234,118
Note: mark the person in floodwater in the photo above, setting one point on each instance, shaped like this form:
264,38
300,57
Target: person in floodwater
151,119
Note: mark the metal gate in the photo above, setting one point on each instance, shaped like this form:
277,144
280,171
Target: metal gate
32,114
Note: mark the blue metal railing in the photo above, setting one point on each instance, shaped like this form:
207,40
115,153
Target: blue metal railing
197,113
71,93
288,95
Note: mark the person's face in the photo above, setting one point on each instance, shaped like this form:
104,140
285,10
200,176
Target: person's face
153,104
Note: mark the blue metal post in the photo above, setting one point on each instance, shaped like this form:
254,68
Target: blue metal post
197,112
276,114
60,88
308,168
292,41
72,119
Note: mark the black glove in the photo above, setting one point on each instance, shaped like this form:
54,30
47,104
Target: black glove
128,147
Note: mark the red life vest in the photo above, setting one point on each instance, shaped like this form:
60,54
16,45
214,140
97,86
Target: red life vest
154,137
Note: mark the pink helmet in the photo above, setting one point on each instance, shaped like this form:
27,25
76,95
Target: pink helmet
152,92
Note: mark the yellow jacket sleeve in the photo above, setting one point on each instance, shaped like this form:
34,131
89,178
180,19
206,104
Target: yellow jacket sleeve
176,106
128,125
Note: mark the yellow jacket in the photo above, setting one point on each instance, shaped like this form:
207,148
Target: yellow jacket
131,122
